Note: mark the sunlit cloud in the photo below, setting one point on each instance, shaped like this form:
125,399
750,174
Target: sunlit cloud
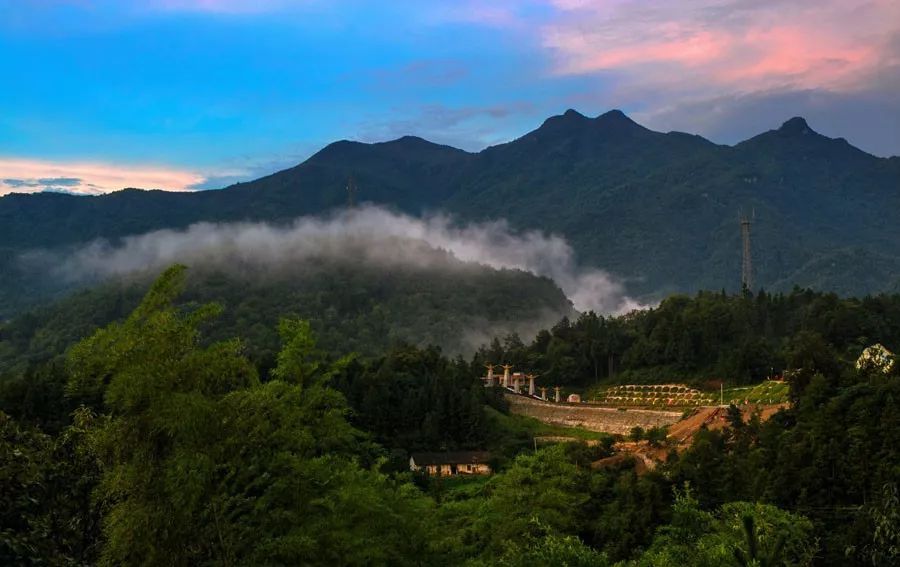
19,175
740,45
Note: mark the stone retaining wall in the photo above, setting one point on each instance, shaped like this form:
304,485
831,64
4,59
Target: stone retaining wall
593,418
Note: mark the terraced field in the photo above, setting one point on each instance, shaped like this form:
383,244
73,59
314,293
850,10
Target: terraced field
768,392
655,395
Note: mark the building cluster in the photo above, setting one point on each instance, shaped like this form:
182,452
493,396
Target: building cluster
516,382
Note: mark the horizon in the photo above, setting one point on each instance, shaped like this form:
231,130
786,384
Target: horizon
15,186
199,94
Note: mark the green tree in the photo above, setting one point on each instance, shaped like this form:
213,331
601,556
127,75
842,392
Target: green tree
203,464
540,494
738,533
46,512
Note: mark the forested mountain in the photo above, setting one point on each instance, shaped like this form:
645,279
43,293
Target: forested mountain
658,210
352,306
152,441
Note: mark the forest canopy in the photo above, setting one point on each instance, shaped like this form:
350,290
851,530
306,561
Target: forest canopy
166,445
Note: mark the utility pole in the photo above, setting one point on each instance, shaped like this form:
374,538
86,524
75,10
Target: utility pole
746,258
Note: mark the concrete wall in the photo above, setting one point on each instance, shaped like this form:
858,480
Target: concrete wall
593,418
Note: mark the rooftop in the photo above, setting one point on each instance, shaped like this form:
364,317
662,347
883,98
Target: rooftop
451,458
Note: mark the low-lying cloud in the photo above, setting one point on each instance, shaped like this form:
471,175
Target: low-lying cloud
369,234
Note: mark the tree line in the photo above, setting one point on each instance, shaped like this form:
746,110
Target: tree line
174,448
710,337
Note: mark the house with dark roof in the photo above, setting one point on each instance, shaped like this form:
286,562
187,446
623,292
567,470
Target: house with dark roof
451,463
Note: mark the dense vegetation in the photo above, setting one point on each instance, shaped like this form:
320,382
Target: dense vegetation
174,448
704,340
660,210
711,337
353,306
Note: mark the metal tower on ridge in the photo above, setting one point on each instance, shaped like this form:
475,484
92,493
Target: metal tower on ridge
746,256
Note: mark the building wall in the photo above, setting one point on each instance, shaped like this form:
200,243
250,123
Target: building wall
593,418
447,470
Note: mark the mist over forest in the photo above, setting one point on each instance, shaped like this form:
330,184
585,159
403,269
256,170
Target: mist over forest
371,235
515,284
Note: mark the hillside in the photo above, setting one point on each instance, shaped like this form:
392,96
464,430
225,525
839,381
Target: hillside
659,210
353,306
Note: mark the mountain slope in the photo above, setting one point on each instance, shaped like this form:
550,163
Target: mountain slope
354,306
401,172
659,210
662,209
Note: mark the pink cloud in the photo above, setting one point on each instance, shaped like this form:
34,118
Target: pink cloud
693,49
815,59
733,45
19,175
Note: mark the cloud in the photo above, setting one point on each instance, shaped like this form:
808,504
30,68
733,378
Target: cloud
20,182
734,117
722,67
66,181
736,44
85,178
367,234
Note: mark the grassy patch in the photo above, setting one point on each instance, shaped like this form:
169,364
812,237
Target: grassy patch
768,392
512,434
531,427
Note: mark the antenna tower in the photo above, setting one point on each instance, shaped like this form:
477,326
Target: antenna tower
746,257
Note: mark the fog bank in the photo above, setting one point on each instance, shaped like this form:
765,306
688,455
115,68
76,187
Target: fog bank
370,234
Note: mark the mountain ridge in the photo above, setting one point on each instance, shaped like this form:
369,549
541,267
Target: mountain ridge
658,210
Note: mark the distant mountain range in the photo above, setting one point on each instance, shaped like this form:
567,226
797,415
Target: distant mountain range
658,210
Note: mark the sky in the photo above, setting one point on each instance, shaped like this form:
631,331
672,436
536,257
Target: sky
98,95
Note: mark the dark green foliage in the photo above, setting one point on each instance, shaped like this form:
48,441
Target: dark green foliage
637,433
884,515
47,515
181,454
708,338
656,436
627,509
552,550
202,464
827,458
738,533
417,400
352,308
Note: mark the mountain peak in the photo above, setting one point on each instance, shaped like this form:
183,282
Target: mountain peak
616,117
566,122
615,122
796,125
614,114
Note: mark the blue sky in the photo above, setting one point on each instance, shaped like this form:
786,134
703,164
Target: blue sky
96,95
